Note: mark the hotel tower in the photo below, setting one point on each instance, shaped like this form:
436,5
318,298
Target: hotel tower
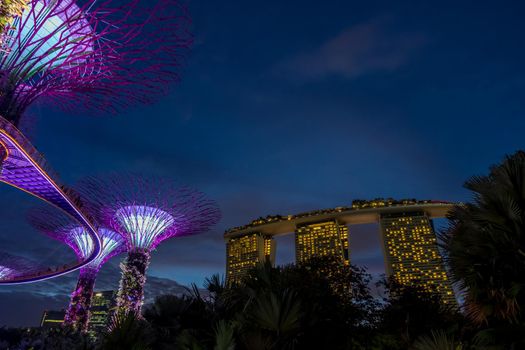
409,241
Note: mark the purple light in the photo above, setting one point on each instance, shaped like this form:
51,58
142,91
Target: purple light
47,23
142,225
12,267
6,272
77,314
61,227
145,211
112,245
25,169
78,239
93,54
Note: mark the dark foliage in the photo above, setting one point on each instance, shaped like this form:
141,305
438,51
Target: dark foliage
410,312
323,304
62,338
485,244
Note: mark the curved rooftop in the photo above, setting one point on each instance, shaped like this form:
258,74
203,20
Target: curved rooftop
361,212
24,168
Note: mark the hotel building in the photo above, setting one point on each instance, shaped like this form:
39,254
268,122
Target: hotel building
102,306
245,252
329,238
410,247
412,255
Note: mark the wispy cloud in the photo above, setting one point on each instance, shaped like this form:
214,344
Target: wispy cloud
368,47
23,305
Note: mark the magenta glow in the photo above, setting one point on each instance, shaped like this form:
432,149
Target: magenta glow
95,54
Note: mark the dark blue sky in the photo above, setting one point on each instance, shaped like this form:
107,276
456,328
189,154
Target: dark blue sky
286,106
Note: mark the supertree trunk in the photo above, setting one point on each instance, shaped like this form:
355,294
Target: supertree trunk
77,314
131,293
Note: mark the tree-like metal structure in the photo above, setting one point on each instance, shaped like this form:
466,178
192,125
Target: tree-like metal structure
97,54
12,266
60,227
146,211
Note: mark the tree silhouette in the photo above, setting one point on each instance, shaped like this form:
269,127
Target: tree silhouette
486,249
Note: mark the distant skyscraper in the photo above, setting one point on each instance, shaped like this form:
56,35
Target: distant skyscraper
412,254
102,306
329,238
245,252
52,318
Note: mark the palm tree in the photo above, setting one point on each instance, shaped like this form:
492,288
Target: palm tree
485,244
127,331
173,317
437,340
278,314
224,336
166,312
216,285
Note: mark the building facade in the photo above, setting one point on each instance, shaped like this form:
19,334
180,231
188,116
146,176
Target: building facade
52,318
322,239
410,247
245,252
412,255
102,306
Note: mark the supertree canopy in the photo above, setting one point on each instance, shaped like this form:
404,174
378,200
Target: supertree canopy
60,227
99,54
12,266
146,211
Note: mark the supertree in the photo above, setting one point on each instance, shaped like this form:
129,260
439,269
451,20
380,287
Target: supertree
146,211
79,54
97,54
60,227
12,266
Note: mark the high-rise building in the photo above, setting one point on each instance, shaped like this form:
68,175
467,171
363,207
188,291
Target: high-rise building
410,247
102,306
245,252
412,254
52,318
328,238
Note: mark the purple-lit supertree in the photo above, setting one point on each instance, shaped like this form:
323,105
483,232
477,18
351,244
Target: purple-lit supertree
62,228
97,54
146,211
12,266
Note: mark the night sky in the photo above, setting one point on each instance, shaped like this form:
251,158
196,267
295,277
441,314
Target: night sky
288,106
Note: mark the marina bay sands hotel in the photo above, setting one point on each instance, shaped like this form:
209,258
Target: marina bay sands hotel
409,241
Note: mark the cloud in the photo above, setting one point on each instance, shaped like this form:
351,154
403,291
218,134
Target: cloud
23,305
358,50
